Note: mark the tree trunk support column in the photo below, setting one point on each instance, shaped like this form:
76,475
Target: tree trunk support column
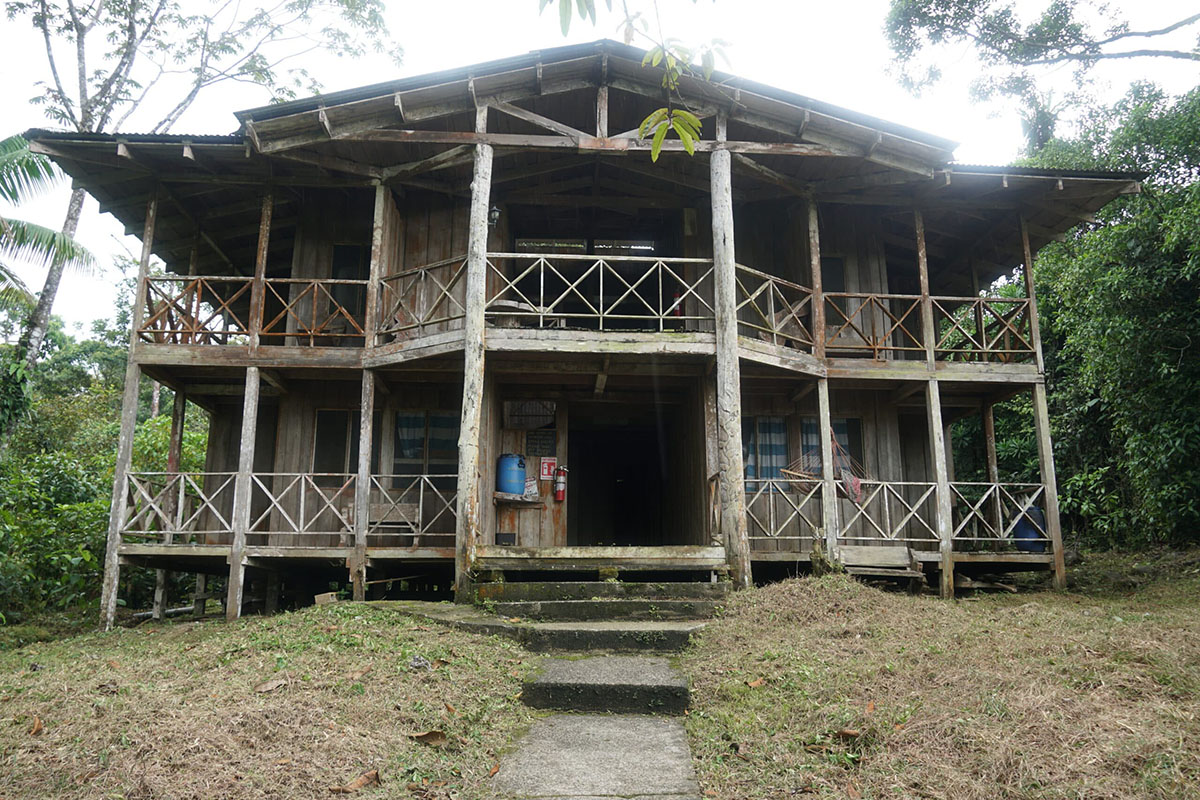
1041,419
467,529
129,409
729,383
362,486
174,453
243,488
829,499
937,446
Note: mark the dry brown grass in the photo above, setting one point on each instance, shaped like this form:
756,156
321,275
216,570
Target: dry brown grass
171,710
874,694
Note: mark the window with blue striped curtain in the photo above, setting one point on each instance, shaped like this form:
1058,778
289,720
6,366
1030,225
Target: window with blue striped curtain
764,448
847,432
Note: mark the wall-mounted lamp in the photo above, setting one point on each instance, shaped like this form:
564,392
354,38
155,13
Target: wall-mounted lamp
493,216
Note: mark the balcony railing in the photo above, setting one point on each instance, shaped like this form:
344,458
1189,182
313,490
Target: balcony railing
423,300
889,511
877,324
996,329
314,313
772,309
196,310
779,511
599,292
999,516
178,508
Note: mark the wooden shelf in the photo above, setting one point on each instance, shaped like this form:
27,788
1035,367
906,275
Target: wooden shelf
504,498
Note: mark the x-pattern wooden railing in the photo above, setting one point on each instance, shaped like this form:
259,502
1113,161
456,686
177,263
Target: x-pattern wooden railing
886,513
309,313
173,507
773,309
422,300
413,502
877,323
195,310
990,512
604,292
297,503
983,328
773,505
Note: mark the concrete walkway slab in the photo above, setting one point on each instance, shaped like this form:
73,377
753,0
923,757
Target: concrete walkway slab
584,757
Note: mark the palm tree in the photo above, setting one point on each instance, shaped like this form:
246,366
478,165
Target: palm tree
23,175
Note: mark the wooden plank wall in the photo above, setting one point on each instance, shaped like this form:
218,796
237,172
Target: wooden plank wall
544,526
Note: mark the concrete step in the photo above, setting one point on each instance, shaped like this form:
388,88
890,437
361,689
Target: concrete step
613,684
525,591
615,609
631,636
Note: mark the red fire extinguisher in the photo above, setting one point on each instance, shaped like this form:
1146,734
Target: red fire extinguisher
560,484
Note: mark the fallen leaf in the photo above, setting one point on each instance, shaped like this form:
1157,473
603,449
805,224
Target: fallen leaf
431,738
38,727
109,687
283,762
358,673
849,733
451,709
114,664
512,619
271,685
495,768
870,706
361,782
757,682
439,662
420,628
852,792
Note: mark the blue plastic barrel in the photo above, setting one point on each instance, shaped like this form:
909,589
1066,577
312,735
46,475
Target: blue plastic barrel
1028,531
510,474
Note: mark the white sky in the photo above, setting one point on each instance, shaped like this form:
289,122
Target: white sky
830,51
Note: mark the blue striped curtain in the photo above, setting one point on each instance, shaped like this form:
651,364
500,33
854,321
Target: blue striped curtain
764,448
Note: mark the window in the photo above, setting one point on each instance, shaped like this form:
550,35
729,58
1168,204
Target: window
764,447
425,443
335,445
847,432
552,246
833,280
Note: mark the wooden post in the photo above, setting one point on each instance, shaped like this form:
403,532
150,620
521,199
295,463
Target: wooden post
988,412
243,489
129,408
928,329
468,525
258,289
1041,420
602,112
1034,325
815,280
200,595
362,486
945,523
271,593
174,453
829,501
729,380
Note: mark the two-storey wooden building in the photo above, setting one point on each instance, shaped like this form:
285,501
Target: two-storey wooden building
740,355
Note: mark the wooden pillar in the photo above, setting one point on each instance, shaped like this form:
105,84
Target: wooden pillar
243,489
928,332
815,280
174,453
200,595
712,460
129,408
467,530
258,288
944,520
729,380
1041,420
362,486
829,500
1034,325
988,413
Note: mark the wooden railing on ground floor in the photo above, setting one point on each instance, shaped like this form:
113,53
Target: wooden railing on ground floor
289,509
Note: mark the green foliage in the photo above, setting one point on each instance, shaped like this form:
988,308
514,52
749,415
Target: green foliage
1120,309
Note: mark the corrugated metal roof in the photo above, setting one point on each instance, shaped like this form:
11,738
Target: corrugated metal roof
143,138
566,53
1042,172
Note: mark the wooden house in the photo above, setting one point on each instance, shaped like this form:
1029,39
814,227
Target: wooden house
742,356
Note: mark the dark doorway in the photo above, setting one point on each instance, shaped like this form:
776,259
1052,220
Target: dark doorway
617,484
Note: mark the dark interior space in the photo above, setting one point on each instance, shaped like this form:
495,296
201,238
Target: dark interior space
620,475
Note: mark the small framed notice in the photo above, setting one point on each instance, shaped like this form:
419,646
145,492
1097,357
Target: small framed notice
549,465
539,443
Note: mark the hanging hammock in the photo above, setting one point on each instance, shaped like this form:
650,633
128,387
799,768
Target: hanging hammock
849,472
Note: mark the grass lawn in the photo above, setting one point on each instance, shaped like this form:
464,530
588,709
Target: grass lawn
828,687
182,710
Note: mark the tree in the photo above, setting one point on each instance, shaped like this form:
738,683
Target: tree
1017,55
108,60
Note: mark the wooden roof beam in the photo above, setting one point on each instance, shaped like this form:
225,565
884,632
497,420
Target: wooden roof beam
771,176
455,156
538,120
